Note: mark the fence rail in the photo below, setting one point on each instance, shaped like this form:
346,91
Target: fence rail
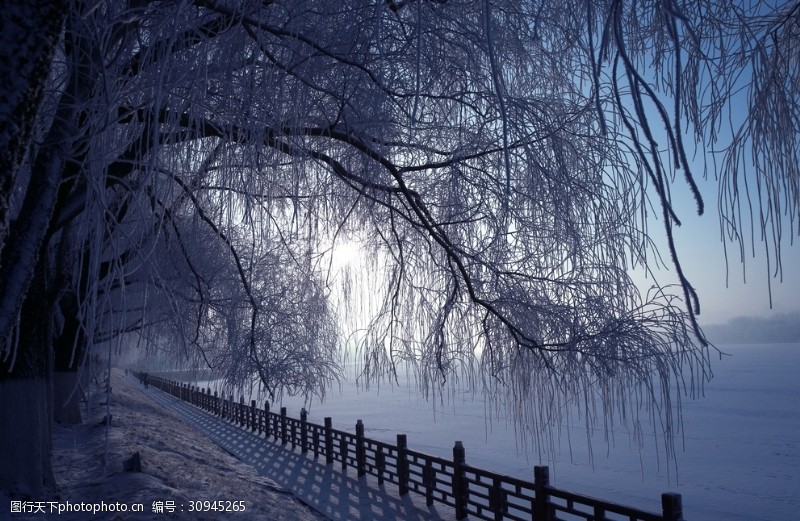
471,491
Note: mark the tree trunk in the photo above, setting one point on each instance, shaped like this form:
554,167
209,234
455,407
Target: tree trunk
27,232
25,412
23,448
29,31
67,395
26,347
69,352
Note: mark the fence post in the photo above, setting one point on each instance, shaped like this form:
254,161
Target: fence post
460,485
328,440
672,507
316,442
343,451
380,464
209,403
216,403
257,420
266,419
254,417
429,480
242,412
283,426
498,500
303,430
361,451
402,464
541,480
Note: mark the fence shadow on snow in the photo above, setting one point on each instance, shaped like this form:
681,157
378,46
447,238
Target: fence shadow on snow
470,491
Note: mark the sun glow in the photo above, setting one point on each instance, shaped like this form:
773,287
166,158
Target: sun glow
345,253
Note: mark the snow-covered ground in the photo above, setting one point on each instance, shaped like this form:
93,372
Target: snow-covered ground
740,458
181,469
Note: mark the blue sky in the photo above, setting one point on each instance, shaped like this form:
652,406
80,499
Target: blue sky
703,257
723,292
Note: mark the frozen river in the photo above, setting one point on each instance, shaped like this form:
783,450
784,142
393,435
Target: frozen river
739,460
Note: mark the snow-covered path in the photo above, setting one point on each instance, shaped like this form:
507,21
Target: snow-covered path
185,476
325,488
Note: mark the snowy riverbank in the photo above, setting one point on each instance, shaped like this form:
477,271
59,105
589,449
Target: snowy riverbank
181,470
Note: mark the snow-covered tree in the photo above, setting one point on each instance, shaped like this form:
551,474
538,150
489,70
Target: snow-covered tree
498,160
28,38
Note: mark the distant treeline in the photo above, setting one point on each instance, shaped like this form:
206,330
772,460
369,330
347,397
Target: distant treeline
781,328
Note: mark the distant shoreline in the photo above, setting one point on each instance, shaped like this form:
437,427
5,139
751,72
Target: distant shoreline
781,328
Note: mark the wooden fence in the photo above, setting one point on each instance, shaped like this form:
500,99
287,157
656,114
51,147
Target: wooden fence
471,491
